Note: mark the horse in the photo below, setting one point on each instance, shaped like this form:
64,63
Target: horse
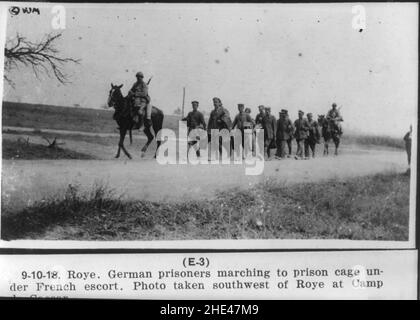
124,118
330,131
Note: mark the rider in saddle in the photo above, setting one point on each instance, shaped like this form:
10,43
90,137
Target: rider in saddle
142,107
336,117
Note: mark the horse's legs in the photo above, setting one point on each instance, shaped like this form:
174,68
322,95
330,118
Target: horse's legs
157,126
149,136
130,133
337,143
123,132
119,143
325,147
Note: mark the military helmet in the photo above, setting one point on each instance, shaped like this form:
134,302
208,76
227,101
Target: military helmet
139,74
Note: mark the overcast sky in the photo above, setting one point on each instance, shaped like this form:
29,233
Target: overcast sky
293,56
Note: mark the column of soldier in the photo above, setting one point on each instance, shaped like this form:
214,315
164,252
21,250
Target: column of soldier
277,133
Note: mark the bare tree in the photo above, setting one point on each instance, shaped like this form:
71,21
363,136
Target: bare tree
42,57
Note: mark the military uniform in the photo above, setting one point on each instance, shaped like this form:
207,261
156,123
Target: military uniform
219,119
259,119
243,121
335,114
212,123
223,118
313,137
195,119
407,139
140,93
270,128
301,134
281,136
258,125
290,130
337,118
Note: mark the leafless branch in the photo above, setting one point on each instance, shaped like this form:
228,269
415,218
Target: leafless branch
54,144
42,57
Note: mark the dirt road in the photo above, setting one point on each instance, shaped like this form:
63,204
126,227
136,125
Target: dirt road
26,181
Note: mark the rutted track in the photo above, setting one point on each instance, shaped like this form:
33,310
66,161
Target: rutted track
25,181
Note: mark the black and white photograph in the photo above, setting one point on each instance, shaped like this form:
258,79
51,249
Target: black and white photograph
240,125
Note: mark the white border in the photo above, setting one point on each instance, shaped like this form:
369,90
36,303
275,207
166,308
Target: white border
210,244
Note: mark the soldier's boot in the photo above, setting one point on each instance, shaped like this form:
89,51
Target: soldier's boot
136,117
147,115
148,111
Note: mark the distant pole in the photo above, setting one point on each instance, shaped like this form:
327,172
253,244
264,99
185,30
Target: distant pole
183,101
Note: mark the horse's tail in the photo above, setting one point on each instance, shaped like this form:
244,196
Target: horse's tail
156,110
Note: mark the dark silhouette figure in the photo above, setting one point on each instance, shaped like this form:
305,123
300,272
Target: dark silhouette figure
407,140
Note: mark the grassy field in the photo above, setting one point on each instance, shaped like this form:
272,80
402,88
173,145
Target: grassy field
100,121
369,208
23,150
65,118
372,140
104,141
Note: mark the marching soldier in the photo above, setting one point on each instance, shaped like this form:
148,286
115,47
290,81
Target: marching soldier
260,116
269,125
282,135
336,117
258,125
242,121
142,107
212,123
290,130
314,136
219,119
220,116
407,140
195,120
301,134
248,111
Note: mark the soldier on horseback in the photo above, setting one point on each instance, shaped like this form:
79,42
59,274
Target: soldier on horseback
142,108
335,116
